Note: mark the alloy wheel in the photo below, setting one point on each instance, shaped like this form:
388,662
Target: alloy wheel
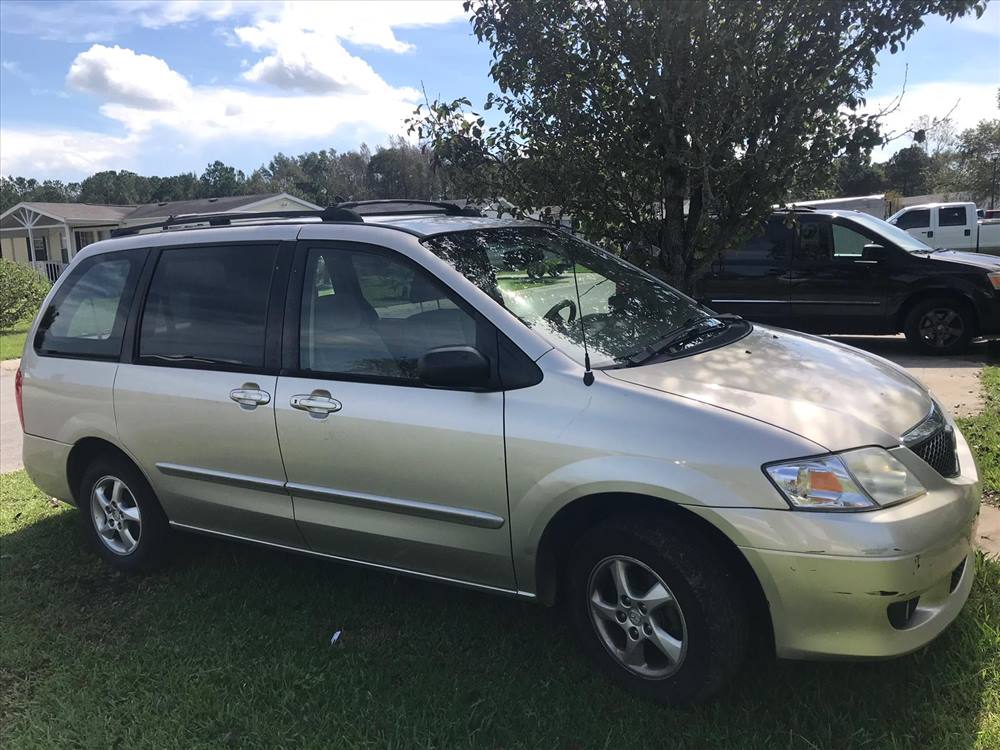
941,327
116,515
637,617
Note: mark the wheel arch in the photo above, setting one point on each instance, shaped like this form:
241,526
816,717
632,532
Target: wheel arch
574,518
83,453
922,295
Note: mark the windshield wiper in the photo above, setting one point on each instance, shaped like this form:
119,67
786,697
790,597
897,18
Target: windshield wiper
691,328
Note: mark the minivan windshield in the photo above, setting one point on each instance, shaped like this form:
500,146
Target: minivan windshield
625,312
899,237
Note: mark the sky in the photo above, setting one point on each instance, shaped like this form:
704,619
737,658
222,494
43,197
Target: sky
167,87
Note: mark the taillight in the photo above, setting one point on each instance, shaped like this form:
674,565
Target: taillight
18,383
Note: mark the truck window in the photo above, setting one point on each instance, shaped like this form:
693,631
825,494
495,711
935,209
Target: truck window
952,216
87,315
847,243
917,219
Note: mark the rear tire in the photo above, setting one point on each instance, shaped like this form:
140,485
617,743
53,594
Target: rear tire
122,516
682,630
940,325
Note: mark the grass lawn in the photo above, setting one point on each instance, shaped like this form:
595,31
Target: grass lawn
230,647
12,341
983,434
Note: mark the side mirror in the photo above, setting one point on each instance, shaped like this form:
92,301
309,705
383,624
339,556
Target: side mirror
454,367
874,252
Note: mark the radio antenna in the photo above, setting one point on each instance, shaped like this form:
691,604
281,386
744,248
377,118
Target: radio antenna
588,375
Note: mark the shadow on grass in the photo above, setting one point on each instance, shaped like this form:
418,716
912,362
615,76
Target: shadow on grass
230,645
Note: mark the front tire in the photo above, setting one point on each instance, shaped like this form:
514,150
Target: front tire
940,326
122,516
657,608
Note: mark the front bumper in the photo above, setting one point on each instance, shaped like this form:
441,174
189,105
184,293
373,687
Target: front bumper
830,578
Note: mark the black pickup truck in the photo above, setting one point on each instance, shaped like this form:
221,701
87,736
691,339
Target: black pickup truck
848,272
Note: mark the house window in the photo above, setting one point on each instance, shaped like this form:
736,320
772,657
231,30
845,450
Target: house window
40,248
83,239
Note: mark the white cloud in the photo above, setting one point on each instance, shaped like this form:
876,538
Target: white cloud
120,75
317,87
975,102
59,153
305,41
101,20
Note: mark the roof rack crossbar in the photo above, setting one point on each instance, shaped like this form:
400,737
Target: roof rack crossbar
420,207
331,214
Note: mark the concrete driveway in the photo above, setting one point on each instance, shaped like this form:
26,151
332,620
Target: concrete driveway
10,427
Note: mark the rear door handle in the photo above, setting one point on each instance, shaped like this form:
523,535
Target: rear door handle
250,396
318,404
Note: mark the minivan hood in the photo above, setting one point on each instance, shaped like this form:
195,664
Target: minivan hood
979,260
832,394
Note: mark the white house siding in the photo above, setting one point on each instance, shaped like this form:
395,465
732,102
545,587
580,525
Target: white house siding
16,248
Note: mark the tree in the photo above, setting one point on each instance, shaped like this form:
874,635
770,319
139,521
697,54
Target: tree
22,290
684,121
908,171
219,180
979,161
401,171
856,175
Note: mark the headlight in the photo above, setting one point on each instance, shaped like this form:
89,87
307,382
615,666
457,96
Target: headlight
994,277
857,480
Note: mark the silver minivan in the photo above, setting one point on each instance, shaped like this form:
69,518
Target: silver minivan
497,404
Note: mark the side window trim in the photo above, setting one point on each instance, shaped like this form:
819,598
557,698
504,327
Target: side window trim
485,330
273,316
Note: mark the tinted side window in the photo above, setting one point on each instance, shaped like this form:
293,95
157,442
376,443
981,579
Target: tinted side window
952,217
208,305
770,246
815,240
87,316
381,315
919,219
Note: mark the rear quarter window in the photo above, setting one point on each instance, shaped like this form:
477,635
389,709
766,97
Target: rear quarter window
86,318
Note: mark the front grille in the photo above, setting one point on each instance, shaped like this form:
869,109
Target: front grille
939,451
934,441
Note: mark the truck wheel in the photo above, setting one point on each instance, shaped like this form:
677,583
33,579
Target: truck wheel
122,515
657,608
939,326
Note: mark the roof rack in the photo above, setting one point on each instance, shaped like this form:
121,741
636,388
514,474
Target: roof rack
792,207
350,212
331,214
415,207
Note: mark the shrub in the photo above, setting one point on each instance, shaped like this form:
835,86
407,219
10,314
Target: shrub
22,290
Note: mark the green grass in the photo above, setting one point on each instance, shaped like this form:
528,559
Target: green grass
230,647
983,434
12,341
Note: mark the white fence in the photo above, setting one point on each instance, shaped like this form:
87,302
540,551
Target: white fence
49,269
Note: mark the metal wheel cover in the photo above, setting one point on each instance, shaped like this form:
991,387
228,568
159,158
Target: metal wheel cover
116,515
636,617
941,327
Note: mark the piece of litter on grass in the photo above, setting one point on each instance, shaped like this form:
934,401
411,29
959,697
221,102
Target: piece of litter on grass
335,638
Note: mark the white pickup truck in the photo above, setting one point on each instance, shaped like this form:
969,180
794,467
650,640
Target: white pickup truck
949,226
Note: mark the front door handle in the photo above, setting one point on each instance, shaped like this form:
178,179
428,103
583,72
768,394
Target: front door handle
250,396
318,404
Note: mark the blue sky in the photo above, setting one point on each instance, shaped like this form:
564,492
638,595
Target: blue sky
165,87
